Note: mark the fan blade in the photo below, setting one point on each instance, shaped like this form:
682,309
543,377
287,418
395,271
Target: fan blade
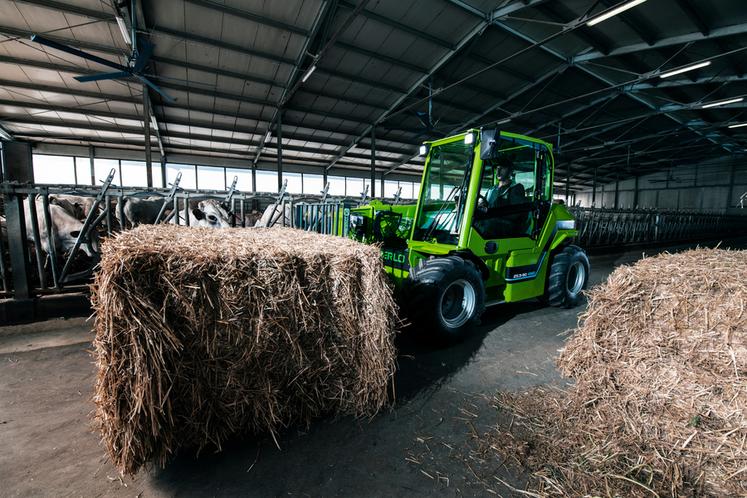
76,52
155,87
145,50
102,76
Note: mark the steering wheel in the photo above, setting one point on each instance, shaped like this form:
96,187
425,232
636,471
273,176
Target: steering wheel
485,204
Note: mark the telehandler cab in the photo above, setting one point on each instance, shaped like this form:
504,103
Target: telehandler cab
484,230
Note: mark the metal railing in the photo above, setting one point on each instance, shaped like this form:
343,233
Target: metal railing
32,262
613,227
322,217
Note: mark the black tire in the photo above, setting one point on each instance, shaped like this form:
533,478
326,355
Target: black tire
446,296
569,276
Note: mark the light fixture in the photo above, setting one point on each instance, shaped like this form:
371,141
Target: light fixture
738,125
153,122
685,69
611,13
503,121
308,73
268,136
469,138
423,150
723,102
123,29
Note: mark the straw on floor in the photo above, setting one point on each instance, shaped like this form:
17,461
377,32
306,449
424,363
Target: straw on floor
205,334
659,405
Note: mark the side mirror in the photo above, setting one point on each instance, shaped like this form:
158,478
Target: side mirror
487,143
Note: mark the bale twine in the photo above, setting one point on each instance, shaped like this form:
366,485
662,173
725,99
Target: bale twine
206,334
659,407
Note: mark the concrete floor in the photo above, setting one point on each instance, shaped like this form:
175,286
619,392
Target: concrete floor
416,448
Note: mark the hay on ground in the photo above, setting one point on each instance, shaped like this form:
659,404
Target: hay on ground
659,405
205,334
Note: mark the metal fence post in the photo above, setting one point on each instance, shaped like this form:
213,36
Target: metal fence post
17,245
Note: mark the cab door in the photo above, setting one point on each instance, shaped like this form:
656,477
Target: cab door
506,233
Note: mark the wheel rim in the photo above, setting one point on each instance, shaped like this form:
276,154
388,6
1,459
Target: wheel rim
576,278
458,303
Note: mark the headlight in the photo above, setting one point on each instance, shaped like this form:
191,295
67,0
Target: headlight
356,221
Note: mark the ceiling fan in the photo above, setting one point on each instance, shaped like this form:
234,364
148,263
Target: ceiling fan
142,50
429,126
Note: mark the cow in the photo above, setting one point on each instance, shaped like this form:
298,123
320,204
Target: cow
207,213
65,230
76,205
275,214
140,210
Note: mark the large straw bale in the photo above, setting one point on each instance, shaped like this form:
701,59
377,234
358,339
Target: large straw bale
206,334
659,405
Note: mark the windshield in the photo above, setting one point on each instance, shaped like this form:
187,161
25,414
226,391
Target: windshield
444,193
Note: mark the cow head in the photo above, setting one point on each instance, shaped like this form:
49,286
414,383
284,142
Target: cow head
210,213
67,230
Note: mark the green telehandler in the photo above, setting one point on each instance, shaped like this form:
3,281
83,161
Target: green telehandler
484,230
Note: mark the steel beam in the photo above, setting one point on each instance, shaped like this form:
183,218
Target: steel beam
186,122
587,70
735,29
250,16
444,59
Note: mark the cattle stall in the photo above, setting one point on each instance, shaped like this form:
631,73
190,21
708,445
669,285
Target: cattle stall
37,258
34,262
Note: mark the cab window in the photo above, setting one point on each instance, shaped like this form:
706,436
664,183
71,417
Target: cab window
511,182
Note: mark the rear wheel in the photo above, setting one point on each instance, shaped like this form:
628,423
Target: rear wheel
446,296
569,276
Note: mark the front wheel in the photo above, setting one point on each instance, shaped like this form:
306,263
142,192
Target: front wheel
569,275
447,296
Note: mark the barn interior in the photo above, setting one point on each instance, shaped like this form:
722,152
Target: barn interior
257,114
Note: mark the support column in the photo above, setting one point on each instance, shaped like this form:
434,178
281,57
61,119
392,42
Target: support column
163,172
91,153
146,128
568,185
635,193
254,178
373,166
17,245
594,189
732,179
279,134
617,190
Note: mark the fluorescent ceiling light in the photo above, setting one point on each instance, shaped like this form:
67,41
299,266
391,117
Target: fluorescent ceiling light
723,102
611,13
123,29
503,121
268,136
738,125
308,73
685,69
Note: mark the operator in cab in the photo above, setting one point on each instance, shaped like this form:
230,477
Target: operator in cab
497,222
507,192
